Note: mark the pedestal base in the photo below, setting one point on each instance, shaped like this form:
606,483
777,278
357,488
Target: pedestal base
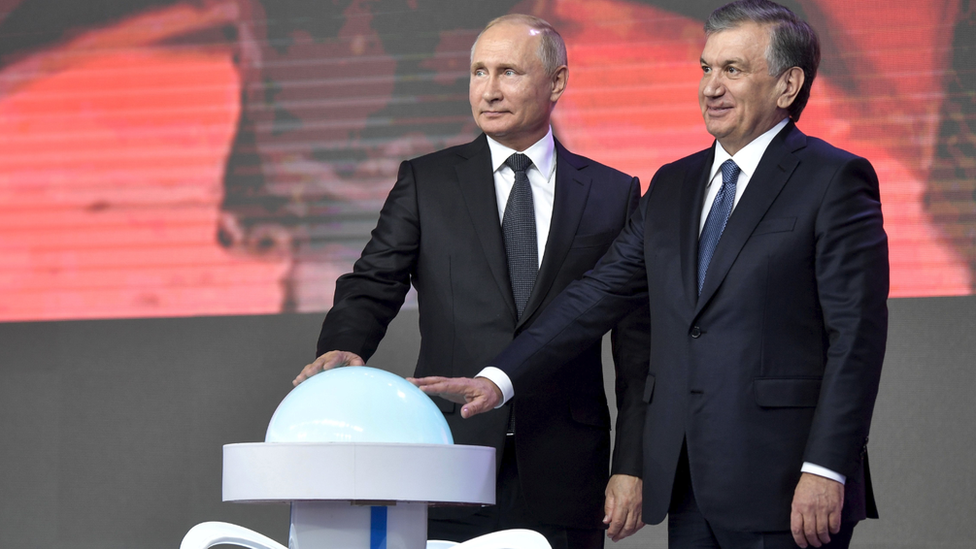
342,525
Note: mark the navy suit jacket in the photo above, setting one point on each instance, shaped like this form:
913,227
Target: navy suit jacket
439,230
777,362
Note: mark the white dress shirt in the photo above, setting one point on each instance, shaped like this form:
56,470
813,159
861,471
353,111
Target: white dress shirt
747,159
542,180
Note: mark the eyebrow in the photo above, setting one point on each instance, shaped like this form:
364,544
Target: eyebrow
733,61
501,66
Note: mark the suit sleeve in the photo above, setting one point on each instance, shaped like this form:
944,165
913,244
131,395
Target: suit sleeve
368,298
851,267
630,341
582,313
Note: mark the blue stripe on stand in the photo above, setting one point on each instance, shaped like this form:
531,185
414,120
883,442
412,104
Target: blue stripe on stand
377,528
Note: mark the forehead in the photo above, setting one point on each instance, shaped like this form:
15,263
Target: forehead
507,42
745,43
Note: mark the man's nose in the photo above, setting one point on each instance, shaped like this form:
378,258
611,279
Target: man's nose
712,85
492,90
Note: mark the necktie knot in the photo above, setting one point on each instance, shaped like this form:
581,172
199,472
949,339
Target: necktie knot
730,172
518,162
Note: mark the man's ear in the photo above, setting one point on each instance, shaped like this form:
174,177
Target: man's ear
559,81
790,83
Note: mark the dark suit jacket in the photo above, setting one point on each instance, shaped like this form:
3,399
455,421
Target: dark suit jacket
439,229
778,360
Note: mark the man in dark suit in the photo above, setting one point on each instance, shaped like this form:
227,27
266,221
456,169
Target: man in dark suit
768,325
450,226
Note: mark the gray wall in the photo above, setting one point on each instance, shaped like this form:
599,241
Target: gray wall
111,431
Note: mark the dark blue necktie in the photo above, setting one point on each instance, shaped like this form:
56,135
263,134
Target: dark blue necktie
718,216
518,228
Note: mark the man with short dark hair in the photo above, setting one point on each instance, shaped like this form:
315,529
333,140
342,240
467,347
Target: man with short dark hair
489,233
765,263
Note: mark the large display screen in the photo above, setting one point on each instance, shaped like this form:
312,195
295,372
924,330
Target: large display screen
210,157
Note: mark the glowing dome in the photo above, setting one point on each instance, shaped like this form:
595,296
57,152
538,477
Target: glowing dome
358,404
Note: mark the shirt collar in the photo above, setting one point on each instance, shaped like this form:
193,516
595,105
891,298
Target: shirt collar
541,153
749,156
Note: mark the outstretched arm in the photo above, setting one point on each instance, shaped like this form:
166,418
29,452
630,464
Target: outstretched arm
580,315
368,298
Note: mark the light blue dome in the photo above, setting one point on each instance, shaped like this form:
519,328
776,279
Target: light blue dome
358,404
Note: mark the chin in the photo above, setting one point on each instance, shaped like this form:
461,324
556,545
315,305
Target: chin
493,127
716,131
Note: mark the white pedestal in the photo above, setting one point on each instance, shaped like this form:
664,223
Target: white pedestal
359,495
339,525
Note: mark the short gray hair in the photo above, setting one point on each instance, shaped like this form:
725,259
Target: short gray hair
552,49
792,42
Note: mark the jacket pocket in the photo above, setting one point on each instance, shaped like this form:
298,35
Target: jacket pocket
775,225
787,392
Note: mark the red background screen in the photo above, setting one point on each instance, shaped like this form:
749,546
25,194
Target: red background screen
164,158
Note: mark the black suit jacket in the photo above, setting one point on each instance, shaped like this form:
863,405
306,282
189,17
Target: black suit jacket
439,230
778,360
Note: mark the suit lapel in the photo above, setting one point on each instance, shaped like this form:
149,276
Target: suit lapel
692,198
777,165
569,200
477,185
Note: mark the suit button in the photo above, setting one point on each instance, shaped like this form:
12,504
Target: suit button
695,332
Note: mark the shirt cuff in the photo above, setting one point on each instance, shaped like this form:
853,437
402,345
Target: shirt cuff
822,472
500,379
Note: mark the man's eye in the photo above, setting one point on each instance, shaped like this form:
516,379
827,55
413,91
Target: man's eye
706,70
509,72
732,70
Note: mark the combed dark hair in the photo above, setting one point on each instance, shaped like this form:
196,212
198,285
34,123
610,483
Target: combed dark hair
552,49
792,42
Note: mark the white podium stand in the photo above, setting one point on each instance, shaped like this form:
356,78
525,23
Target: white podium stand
364,494
359,495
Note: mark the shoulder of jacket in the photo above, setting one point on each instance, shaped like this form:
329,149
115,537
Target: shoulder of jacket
587,165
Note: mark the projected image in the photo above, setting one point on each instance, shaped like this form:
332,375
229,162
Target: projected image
162,158
895,86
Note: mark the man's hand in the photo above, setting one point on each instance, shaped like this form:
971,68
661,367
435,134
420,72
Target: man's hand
329,360
817,502
623,506
478,394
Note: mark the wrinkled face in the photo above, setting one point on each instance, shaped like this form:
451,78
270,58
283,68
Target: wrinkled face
511,96
738,97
